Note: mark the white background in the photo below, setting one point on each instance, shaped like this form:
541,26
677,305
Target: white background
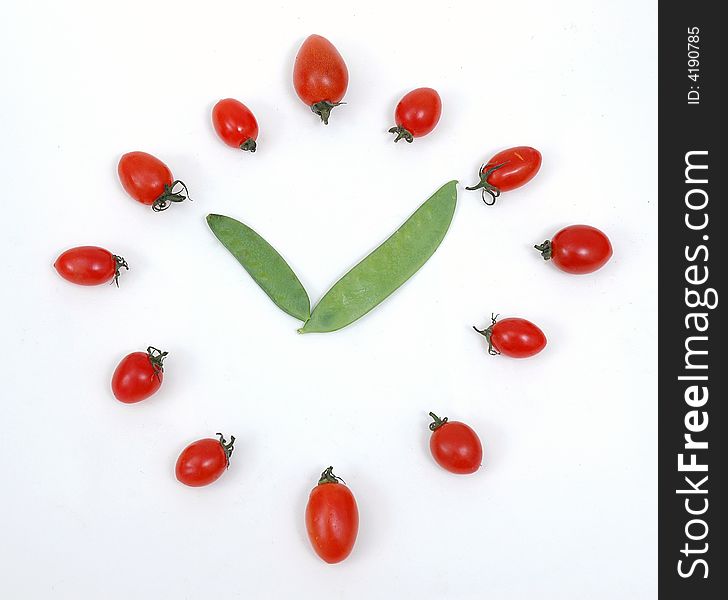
565,506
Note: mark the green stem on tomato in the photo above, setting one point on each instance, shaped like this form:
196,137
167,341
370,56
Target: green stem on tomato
120,264
485,172
546,249
402,133
328,476
249,145
488,333
156,357
437,421
323,109
169,196
227,446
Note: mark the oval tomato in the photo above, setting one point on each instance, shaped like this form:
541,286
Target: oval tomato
577,249
203,461
514,337
332,518
455,446
138,375
89,265
320,76
417,114
235,124
149,181
508,170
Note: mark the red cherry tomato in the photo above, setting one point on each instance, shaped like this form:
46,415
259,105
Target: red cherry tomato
149,181
416,114
203,461
138,375
320,76
577,249
455,446
89,265
332,518
508,170
235,124
513,337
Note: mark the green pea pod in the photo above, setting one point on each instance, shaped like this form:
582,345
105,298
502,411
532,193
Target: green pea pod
387,267
263,263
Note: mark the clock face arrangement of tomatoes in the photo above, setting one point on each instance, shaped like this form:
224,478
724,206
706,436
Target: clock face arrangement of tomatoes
321,80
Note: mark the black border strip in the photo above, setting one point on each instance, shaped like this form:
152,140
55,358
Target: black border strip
692,132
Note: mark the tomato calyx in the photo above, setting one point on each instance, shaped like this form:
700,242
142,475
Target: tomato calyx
437,422
402,133
156,357
328,477
546,249
485,172
169,196
248,145
120,264
323,109
488,333
227,447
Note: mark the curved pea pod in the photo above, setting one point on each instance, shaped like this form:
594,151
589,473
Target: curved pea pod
264,264
388,267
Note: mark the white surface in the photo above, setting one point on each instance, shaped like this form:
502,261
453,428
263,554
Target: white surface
566,505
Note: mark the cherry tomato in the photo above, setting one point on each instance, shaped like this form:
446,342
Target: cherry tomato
90,265
235,124
203,461
149,181
138,375
577,249
455,446
320,76
416,114
332,518
513,337
508,170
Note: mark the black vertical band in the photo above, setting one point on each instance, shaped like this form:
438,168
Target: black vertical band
693,431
